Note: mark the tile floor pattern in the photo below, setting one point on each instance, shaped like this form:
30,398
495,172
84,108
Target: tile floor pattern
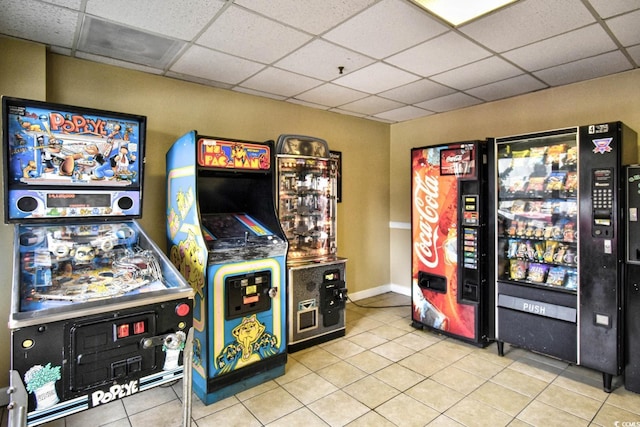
384,372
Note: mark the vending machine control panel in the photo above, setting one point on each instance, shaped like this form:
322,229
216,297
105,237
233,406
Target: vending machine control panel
602,198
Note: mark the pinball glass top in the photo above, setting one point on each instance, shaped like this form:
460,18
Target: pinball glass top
68,266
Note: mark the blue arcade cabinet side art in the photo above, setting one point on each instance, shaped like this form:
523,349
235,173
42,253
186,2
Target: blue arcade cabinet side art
225,238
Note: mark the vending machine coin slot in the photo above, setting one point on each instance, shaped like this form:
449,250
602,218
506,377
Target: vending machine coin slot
332,296
470,292
248,294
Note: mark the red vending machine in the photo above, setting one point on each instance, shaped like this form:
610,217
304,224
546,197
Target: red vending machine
559,243
307,208
450,292
97,310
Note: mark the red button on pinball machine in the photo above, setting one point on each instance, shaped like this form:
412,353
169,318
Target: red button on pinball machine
97,310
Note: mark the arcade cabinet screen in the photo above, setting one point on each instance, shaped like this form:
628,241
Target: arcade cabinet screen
225,226
64,161
224,232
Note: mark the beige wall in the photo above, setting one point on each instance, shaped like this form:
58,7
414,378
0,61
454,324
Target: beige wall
174,107
22,73
601,100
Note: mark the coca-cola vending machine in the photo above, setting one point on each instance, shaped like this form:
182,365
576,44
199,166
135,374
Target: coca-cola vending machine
450,293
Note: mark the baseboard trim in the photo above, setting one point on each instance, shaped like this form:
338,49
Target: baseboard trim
379,290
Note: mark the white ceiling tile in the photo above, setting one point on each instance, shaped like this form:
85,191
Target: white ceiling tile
331,95
577,44
307,104
609,8
378,119
251,36
440,54
218,66
634,51
371,105
71,4
626,28
117,63
40,22
585,69
199,80
418,91
386,28
348,113
478,73
376,78
321,59
60,50
507,88
528,21
449,102
182,20
291,50
401,114
314,17
280,82
259,93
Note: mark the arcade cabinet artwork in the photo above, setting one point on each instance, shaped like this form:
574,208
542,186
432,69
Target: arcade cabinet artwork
97,310
307,207
225,238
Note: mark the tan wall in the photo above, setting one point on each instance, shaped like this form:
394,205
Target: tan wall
174,107
606,99
22,73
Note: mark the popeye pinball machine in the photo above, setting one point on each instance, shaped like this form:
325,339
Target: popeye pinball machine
225,238
97,310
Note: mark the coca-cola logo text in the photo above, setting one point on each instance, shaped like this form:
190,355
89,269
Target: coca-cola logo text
425,200
454,159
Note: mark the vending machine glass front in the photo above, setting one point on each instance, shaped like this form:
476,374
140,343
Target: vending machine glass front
538,212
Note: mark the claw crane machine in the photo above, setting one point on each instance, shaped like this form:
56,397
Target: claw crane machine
98,312
307,207
224,236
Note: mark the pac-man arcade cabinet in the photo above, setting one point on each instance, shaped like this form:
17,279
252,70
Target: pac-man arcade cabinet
225,238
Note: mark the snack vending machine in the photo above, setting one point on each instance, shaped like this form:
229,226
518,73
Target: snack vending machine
225,238
97,310
559,237
307,208
450,292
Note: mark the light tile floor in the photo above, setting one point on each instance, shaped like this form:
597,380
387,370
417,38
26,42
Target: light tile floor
384,372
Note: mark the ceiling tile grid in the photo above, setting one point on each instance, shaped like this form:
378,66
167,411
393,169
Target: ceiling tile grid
384,60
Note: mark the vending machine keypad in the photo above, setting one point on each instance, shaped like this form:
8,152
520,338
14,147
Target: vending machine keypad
602,199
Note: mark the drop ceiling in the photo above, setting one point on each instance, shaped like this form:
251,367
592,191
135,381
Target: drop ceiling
384,60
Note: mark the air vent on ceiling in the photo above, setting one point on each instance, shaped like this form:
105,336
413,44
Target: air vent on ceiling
116,41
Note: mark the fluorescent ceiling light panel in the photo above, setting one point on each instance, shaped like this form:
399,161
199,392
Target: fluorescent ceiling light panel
457,12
